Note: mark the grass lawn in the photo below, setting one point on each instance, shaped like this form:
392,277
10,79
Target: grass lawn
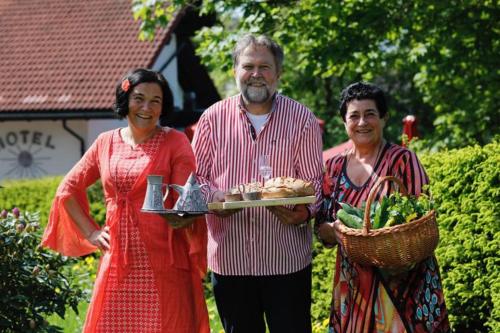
73,322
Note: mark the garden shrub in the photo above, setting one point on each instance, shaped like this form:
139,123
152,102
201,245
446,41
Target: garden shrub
34,282
465,186
36,195
322,285
30,195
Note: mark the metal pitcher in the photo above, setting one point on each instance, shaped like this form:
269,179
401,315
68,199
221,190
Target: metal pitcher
190,196
154,194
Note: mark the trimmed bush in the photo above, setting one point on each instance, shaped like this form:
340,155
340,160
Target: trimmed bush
465,186
322,285
30,195
36,195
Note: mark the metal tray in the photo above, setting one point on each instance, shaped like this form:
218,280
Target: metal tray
173,212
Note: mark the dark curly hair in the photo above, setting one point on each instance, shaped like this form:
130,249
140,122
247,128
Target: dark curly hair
138,76
360,91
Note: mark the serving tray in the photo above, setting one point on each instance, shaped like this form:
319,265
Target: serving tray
261,203
172,212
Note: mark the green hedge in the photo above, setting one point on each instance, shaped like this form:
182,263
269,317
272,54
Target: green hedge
36,195
31,195
465,186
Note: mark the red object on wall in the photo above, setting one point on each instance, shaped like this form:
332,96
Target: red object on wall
410,127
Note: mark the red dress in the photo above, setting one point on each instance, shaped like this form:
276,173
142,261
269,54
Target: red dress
150,279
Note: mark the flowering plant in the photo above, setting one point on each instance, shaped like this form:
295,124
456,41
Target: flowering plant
125,85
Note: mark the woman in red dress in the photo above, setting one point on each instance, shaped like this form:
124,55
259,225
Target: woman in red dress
150,273
365,299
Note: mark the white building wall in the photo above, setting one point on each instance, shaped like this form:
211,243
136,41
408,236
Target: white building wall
31,149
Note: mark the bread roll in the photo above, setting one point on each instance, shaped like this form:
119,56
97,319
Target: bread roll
286,187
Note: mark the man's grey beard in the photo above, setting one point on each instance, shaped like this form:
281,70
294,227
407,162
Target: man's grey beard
254,94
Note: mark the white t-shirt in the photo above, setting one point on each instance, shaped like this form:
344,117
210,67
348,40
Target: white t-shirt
257,121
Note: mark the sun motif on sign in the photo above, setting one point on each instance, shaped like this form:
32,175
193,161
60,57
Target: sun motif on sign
24,163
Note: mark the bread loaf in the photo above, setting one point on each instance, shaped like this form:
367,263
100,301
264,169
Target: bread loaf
286,187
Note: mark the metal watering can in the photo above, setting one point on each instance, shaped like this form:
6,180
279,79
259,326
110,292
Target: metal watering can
190,196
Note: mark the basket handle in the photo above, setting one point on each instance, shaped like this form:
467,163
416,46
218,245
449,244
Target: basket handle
366,218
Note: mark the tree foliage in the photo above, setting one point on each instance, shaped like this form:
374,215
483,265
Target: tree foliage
436,59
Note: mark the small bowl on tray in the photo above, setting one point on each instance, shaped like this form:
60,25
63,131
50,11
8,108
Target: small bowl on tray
248,196
232,197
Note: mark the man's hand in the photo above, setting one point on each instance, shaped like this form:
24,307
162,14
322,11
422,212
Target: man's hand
100,238
327,232
219,197
288,216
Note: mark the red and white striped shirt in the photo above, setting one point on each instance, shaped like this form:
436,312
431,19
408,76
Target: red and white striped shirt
253,241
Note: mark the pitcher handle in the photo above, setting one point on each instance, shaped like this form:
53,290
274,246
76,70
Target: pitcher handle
166,192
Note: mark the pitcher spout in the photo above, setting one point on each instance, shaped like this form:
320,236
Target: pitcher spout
178,188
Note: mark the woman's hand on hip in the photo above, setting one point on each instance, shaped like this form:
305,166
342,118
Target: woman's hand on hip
100,238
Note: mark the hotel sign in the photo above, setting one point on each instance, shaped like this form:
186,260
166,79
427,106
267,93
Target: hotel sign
24,153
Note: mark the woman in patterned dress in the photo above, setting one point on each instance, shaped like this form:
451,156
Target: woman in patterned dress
150,273
365,299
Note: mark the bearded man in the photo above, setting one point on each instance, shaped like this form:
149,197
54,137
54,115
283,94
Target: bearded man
260,258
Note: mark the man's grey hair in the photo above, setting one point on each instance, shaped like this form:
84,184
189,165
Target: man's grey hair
262,40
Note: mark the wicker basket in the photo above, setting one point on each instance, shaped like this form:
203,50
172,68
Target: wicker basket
393,247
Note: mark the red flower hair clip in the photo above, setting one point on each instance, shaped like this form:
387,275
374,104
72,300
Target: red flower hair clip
125,85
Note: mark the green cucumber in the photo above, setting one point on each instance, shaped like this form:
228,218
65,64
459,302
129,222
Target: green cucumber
352,221
351,210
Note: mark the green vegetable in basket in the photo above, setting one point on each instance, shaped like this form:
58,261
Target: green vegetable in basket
352,210
352,221
392,210
402,209
381,214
